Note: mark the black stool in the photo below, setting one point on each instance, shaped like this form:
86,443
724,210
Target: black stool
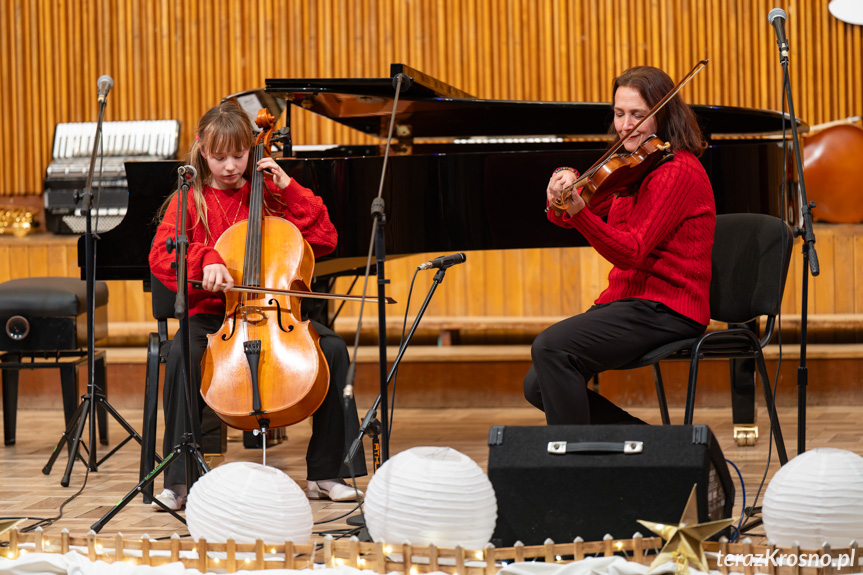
45,318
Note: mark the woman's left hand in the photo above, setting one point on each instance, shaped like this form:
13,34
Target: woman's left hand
272,171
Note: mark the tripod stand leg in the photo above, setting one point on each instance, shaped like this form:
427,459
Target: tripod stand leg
171,458
75,441
70,430
107,408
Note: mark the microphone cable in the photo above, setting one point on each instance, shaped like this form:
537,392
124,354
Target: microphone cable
398,80
401,344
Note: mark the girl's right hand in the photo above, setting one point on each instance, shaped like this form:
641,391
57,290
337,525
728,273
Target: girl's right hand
558,182
217,278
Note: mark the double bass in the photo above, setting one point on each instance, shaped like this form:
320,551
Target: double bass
264,367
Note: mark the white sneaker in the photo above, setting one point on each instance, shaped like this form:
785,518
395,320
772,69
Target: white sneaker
334,490
170,500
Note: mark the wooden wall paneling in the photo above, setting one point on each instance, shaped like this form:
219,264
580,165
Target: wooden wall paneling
858,274
5,262
56,260
856,66
791,296
823,287
842,270
17,110
6,92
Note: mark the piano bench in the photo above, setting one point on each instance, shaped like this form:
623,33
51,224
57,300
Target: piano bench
44,323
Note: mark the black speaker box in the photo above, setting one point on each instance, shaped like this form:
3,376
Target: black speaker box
567,481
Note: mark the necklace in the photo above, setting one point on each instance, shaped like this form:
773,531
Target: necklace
224,213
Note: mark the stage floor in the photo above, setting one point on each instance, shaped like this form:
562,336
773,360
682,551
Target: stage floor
26,491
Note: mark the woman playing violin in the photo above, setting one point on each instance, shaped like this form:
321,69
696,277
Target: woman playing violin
218,199
659,240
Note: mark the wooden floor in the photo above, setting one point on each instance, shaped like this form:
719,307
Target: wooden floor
26,492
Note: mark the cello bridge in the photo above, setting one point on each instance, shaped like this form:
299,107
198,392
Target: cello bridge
252,314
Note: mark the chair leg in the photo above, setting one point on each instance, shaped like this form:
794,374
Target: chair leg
689,410
101,382
69,390
660,394
771,410
10,398
151,408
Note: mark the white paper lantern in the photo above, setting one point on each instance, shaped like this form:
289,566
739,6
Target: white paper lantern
431,495
850,11
245,502
816,498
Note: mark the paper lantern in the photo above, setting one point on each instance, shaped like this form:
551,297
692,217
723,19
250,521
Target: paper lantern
816,498
245,502
850,11
431,495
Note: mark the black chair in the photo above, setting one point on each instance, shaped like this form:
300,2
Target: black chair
751,254
158,348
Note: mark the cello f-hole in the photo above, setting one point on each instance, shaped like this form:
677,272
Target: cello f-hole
233,324
279,316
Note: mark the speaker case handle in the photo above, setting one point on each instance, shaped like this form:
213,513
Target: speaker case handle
564,447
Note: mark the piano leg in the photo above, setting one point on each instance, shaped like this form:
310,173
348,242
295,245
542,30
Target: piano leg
743,395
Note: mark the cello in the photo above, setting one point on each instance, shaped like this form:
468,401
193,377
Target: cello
831,165
264,367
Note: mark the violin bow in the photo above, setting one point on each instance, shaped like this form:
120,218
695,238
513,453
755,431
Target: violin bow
656,108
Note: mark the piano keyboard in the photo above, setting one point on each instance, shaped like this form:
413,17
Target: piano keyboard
66,175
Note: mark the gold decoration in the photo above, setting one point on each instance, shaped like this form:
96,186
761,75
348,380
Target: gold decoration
18,221
683,541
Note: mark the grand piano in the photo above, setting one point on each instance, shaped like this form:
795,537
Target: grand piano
464,173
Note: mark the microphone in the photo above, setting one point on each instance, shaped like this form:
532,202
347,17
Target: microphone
188,172
777,18
105,83
443,262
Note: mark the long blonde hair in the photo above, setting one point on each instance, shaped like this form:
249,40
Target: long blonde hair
225,127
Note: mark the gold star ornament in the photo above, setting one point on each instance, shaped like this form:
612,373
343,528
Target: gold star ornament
683,541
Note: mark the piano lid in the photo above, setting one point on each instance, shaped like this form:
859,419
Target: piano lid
436,110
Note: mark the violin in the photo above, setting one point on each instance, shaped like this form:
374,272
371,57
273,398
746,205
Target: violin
264,367
619,174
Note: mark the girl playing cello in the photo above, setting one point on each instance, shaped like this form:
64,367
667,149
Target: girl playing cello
218,199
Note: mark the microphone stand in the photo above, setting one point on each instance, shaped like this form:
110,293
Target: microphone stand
370,421
87,407
190,443
810,261
381,448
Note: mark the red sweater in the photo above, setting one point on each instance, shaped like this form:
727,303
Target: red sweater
224,208
659,239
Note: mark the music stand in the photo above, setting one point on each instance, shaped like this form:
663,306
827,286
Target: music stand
94,395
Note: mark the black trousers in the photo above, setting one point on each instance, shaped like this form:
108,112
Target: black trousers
333,429
568,354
